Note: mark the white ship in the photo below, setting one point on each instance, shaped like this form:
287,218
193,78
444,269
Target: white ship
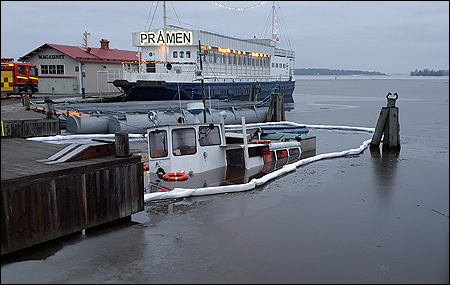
183,64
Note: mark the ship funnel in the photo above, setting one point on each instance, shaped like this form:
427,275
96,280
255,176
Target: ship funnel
195,109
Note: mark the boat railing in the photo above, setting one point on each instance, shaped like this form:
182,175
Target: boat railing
132,76
248,79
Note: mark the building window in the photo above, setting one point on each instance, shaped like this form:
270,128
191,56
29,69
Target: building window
52,69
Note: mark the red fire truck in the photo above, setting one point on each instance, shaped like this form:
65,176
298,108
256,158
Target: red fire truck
18,77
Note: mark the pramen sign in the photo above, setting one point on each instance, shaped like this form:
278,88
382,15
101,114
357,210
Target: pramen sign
171,38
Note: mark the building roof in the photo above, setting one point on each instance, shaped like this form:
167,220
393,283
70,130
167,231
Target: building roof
88,54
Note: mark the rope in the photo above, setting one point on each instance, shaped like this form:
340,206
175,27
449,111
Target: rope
267,98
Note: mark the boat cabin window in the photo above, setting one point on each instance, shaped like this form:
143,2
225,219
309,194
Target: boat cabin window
188,54
158,143
208,136
294,153
181,54
183,141
175,54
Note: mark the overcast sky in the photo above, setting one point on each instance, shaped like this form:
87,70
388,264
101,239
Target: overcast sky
385,36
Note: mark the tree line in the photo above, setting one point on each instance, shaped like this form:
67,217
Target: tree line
427,72
326,71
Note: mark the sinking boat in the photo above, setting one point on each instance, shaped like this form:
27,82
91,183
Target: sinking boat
199,155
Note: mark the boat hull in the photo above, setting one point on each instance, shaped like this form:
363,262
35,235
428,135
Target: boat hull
231,91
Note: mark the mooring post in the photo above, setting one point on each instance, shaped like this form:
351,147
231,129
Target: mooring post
122,144
253,94
275,112
48,107
26,102
280,108
388,124
269,115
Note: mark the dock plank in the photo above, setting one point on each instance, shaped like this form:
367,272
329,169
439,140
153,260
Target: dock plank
43,201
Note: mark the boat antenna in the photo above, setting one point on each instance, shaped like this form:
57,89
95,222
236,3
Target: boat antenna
202,80
165,32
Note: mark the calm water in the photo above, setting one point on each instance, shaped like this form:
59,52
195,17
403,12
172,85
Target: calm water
378,217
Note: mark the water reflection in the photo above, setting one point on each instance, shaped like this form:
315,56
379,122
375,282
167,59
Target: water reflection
385,166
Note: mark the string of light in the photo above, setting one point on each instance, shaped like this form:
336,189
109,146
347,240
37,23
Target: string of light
237,8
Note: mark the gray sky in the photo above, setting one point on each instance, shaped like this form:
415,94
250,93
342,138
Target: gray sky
386,36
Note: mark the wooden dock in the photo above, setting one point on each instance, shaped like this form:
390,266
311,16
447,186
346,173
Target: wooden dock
17,122
41,202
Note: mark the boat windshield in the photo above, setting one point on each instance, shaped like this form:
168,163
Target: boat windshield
209,136
183,141
158,143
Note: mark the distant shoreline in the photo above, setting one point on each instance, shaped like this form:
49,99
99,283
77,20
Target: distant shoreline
336,72
325,71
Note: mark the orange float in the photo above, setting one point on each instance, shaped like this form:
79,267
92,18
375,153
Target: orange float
175,176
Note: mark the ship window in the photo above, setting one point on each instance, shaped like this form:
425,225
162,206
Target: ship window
158,143
284,66
175,54
181,54
224,93
208,136
276,65
183,141
273,65
188,54
151,68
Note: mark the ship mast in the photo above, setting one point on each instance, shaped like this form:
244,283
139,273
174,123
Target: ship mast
274,34
165,33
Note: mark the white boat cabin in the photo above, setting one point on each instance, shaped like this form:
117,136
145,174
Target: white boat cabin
174,57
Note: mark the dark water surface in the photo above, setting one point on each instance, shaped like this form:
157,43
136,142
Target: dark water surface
377,217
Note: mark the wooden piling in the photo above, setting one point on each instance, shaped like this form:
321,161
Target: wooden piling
48,107
388,125
253,94
26,102
122,144
275,113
